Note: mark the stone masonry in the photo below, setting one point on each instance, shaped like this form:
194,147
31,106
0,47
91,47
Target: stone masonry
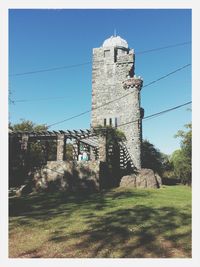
113,77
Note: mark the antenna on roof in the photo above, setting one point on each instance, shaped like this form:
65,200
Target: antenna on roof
115,33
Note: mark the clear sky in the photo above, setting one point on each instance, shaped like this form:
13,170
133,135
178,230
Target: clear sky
48,38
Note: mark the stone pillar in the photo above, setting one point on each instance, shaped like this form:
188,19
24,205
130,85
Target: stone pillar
102,149
60,147
76,149
46,150
24,148
92,154
24,142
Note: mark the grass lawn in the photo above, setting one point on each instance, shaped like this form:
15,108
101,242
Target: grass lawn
122,223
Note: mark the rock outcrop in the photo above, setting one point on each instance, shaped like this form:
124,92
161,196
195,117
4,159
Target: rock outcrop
144,178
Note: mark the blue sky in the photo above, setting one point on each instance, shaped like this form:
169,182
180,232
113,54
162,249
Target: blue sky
42,39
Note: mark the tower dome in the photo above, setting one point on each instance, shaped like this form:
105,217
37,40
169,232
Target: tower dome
115,41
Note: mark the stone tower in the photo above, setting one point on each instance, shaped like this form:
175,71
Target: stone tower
113,77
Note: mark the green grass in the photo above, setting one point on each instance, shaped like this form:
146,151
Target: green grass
122,223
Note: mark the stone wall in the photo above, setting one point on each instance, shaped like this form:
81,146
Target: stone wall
68,176
112,66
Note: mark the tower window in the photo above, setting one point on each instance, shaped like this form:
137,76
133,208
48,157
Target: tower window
110,120
104,122
106,53
122,52
115,122
138,124
115,55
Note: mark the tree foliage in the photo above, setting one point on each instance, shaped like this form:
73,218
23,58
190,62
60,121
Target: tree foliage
152,158
69,152
20,165
27,125
181,158
36,155
113,135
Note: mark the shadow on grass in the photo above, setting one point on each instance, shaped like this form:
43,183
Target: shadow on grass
43,206
133,233
138,232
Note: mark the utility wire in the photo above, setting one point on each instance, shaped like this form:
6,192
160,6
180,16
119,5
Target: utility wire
161,48
39,99
116,99
154,115
89,62
50,69
158,113
51,98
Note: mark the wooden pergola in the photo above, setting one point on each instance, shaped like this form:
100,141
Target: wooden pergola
94,144
86,138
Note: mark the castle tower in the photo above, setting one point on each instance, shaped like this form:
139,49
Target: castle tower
113,77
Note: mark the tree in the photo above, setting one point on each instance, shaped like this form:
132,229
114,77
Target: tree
69,152
27,125
19,167
152,158
186,140
36,149
182,158
113,135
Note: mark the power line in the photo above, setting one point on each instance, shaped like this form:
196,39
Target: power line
70,118
50,69
61,97
170,73
39,99
162,48
89,62
116,99
151,116
158,113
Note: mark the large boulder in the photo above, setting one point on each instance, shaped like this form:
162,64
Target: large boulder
144,178
159,179
128,181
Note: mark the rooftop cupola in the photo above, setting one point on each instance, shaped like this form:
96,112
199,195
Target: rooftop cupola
115,41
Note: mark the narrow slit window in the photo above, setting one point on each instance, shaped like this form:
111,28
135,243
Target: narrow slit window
115,122
106,53
104,122
110,121
115,55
